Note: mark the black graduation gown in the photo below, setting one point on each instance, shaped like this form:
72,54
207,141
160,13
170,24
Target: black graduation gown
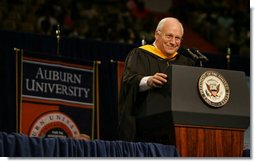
139,63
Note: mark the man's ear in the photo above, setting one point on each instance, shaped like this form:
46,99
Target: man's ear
156,34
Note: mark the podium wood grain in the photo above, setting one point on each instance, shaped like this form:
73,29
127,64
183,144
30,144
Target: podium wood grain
208,141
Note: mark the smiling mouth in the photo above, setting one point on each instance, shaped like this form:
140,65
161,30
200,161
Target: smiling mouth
170,47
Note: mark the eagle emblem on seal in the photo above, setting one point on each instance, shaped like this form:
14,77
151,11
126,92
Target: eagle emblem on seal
213,89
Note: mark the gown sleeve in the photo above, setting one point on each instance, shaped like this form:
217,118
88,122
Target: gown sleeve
136,66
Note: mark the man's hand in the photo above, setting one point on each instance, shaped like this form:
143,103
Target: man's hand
157,80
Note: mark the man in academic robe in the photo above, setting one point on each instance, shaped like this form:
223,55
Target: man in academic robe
144,71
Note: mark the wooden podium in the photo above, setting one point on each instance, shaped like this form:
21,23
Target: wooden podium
177,114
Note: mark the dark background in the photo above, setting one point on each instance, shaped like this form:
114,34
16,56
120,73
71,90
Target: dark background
107,30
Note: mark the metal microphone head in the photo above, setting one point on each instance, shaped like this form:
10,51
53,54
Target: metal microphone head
186,52
192,54
200,55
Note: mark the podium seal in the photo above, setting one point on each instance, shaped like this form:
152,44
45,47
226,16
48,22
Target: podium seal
213,89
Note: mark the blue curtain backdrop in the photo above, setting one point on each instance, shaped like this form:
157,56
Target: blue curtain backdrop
17,145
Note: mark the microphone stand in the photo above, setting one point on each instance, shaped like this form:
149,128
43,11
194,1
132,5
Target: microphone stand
201,57
195,57
228,57
200,63
58,40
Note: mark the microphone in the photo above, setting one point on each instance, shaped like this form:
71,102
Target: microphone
189,53
200,55
193,55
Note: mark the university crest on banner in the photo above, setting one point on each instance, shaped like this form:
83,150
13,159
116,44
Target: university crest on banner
56,96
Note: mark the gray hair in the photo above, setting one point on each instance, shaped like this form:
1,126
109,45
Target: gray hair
162,22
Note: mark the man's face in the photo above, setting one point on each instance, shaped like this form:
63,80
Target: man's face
169,38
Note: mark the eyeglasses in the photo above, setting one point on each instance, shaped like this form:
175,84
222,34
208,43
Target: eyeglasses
170,37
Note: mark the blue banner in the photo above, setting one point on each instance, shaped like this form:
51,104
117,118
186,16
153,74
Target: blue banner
58,82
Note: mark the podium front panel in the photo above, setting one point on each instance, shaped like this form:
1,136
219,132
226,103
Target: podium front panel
180,102
188,107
